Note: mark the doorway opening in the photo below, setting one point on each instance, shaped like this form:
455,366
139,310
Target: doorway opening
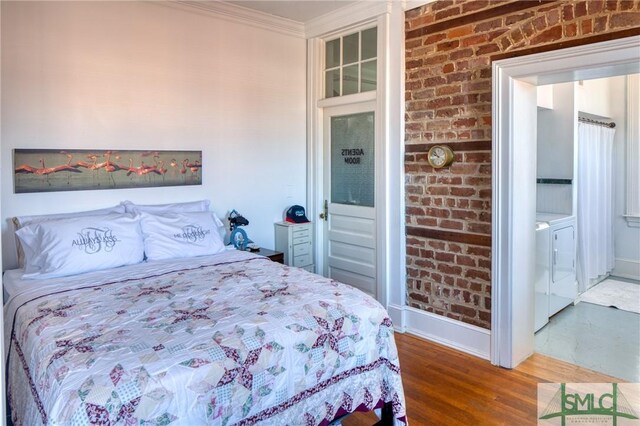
515,176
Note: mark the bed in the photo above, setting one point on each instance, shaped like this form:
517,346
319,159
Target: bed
225,339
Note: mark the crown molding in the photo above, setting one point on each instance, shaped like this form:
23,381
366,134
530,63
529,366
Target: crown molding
243,15
346,16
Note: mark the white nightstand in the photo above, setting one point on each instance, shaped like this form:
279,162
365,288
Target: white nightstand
295,240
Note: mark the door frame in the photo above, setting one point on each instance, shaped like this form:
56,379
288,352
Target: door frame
389,112
598,60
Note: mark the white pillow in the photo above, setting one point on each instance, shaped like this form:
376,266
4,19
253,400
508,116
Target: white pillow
178,235
20,221
83,244
161,209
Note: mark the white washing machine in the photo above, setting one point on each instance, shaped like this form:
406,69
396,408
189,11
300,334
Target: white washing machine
542,274
563,287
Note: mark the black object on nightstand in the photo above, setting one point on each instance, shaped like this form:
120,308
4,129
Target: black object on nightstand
276,256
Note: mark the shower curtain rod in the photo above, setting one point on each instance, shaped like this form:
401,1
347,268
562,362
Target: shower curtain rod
597,123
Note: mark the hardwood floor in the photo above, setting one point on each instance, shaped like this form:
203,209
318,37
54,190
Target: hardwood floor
445,387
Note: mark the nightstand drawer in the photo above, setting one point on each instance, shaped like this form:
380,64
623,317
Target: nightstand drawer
301,232
309,268
303,260
301,240
300,249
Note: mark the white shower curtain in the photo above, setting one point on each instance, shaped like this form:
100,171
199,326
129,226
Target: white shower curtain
595,203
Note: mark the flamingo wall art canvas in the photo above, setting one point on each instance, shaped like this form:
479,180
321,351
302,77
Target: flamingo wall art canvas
45,170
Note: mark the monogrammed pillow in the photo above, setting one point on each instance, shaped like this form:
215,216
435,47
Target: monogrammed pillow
72,246
20,221
178,235
172,208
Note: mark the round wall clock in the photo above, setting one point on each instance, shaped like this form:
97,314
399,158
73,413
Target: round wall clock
440,156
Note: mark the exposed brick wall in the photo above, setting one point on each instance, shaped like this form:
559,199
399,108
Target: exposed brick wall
449,49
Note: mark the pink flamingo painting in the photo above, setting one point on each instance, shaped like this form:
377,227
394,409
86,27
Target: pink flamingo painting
32,168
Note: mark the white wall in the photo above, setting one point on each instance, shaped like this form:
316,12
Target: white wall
626,239
555,150
140,75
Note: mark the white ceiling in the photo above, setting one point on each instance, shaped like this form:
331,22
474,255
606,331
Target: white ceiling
298,10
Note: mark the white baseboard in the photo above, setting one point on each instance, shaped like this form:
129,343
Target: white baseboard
446,331
627,268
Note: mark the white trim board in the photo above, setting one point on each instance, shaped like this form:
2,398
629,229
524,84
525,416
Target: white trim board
627,268
454,334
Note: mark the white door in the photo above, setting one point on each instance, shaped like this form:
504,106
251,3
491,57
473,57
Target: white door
349,194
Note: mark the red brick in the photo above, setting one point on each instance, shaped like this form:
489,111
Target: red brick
465,310
438,212
580,9
438,190
465,122
416,63
477,274
540,23
595,6
478,157
512,19
611,5
448,90
415,211
447,13
552,34
600,24
460,32
418,296
570,30
463,214
451,224
426,221
461,53
487,48
445,257
586,26
628,19
442,4
438,103
462,191
553,17
567,12
434,38
626,5
473,40
459,76
488,25
479,228
449,269
447,45
472,6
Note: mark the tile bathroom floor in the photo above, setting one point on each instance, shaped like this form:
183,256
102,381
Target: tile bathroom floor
596,337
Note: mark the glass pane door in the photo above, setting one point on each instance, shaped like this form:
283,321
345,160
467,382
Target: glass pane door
353,159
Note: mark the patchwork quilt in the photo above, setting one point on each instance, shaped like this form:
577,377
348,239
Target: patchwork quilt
234,339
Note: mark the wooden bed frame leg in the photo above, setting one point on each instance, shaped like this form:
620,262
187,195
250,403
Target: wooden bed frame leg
387,415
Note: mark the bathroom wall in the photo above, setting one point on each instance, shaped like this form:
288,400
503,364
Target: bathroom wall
626,237
556,136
